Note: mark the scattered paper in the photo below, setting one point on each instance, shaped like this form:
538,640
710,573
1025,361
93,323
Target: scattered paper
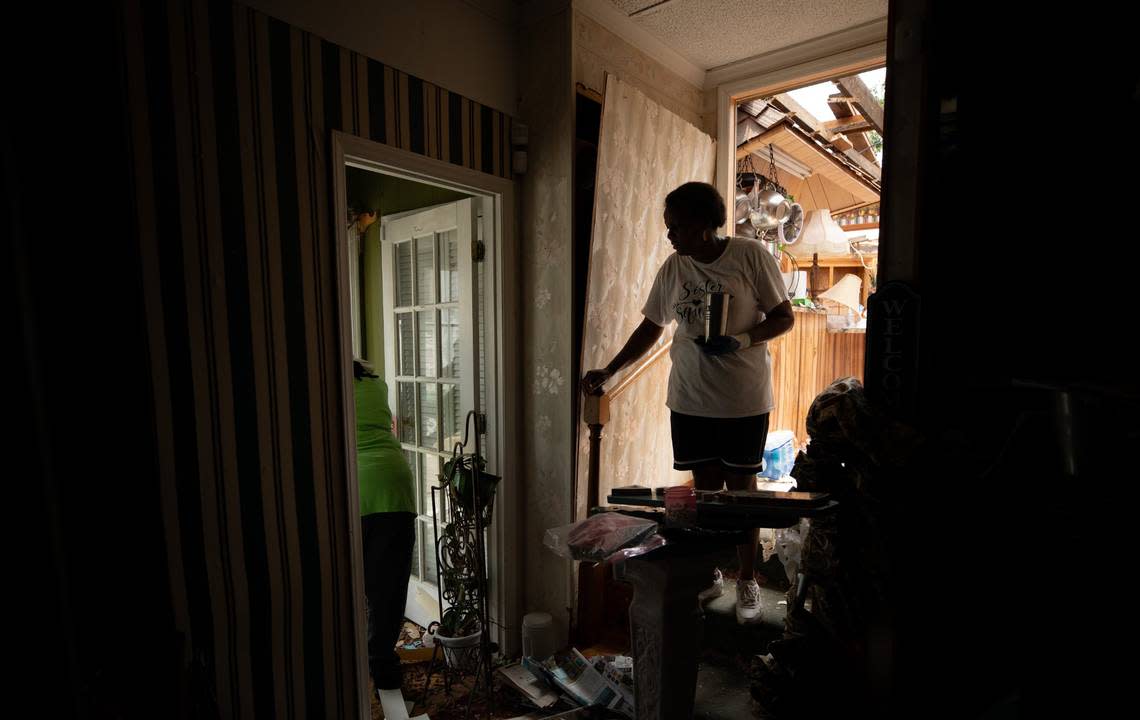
534,689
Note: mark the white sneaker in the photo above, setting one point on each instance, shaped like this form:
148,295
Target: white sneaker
747,601
715,590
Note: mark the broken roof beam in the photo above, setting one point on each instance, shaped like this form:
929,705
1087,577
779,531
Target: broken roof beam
857,157
823,161
839,105
841,108
801,113
750,146
840,154
748,129
754,106
841,143
812,126
855,123
865,102
867,166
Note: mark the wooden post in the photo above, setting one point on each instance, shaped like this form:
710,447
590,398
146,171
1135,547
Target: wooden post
813,279
595,413
592,578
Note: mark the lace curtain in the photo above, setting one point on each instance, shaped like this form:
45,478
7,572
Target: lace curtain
644,152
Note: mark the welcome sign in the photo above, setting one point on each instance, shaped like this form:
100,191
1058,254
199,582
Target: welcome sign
892,348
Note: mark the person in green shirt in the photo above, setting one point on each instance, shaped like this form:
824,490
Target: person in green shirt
387,520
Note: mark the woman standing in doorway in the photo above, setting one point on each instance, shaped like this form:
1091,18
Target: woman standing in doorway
387,521
720,390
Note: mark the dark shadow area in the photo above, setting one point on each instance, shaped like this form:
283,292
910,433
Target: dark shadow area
1030,410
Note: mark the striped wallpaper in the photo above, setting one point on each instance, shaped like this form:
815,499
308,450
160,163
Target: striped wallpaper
230,115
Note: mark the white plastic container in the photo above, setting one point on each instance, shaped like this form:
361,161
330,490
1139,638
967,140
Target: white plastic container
538,635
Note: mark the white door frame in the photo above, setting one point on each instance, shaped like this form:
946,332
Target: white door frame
502,323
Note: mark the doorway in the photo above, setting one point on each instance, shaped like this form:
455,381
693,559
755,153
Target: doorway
420,311
818,143
422,300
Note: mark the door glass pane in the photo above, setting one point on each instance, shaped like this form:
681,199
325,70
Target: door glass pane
449,342
452,413
425,321
403,274
406,411
416,573
428,545
429,414
448,267
425,270
410,456
429,477
405,337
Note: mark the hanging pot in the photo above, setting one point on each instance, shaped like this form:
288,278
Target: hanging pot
743,208
747,186
770,211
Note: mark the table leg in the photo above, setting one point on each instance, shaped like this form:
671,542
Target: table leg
666,623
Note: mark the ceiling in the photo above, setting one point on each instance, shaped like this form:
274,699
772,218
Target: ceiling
712,33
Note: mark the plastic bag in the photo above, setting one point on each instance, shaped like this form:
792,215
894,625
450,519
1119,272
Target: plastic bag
598,536
766,539
650,543
779,454
790,545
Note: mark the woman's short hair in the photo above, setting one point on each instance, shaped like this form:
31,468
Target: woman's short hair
362,369
698,202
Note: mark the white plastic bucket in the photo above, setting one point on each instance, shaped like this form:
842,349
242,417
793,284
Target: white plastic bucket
461,653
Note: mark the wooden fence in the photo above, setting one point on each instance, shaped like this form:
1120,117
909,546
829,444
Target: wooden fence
804,362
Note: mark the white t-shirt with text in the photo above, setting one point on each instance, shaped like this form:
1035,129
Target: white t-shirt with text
737,384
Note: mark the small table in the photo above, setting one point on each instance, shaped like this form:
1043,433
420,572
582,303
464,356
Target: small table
666,620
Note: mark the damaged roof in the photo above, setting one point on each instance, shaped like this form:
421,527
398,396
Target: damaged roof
822,163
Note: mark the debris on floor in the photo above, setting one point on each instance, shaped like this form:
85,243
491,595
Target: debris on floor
410,647
582,683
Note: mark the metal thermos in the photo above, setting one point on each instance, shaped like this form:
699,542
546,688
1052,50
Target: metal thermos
716,314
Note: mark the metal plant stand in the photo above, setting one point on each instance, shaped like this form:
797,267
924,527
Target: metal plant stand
461,572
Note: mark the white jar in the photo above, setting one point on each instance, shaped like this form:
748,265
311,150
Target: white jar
538,635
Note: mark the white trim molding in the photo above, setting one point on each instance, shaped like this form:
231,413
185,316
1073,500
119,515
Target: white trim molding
800,57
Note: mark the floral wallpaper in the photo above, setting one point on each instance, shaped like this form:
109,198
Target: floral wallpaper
547,389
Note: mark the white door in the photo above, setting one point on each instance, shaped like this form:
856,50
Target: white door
431,358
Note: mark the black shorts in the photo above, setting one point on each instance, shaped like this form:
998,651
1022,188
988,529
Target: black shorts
737,444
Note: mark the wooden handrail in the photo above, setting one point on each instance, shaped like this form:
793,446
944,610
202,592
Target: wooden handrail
639,371
596,413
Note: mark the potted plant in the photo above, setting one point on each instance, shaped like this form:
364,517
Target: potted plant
459,634
458,477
